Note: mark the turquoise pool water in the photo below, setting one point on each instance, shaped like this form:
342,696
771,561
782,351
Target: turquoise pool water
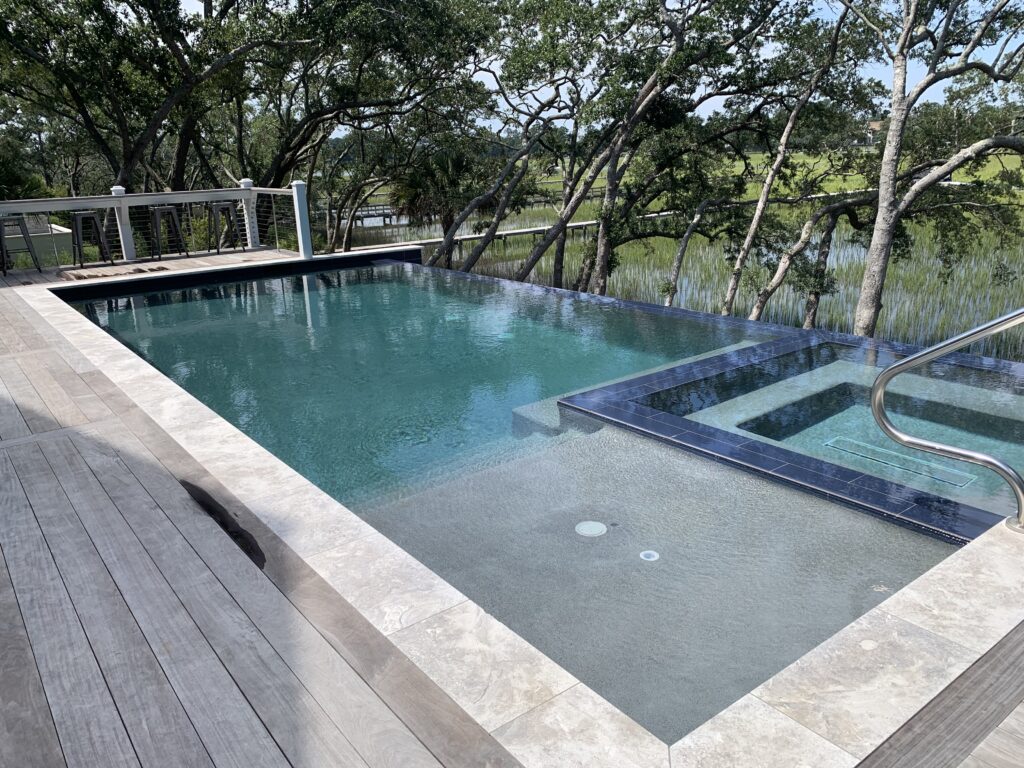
371,380
424,402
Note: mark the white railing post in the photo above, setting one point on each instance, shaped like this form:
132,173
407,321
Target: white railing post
124,225
302,219
252,228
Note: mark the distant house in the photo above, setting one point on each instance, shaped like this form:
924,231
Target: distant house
872,129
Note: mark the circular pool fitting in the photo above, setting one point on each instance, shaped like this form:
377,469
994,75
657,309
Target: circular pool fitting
591,528
649,555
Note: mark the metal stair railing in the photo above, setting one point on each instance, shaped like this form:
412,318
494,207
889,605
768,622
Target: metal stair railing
1004,470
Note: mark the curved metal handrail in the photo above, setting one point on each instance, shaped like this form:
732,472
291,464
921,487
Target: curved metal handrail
1008,473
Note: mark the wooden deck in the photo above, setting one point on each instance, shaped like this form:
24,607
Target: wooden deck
141,627
141,266
1003,747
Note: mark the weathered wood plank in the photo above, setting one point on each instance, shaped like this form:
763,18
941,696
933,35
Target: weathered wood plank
374,730
157,725
5,348
298,724
946,729
231,732
12,423
1001,749
80,393
16,322
12,339
28,738
451,735
61,405
88,724
31,406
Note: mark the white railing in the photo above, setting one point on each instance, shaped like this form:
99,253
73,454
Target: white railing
131,227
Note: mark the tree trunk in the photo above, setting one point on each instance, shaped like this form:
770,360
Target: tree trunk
448,225
820,270
568,211
586,270
605,227
499,216
684,244
787,258
188,127
335,227
869,305
558,268
773,171
346,239
765,294
455,221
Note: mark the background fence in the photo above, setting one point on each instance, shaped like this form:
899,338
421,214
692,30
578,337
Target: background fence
126,227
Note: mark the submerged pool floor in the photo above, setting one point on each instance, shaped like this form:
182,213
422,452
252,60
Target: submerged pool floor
425,401
750,575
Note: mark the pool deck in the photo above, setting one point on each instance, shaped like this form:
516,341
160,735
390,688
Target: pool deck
50,275
151,615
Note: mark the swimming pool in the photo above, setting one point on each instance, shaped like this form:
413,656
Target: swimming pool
427,402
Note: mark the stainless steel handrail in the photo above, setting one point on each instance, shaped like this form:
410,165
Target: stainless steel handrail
1008,473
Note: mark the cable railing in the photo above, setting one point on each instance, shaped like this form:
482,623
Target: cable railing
64,231
1000,467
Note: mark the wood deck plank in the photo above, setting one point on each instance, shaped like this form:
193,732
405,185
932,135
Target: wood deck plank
90,404
1001,749
28,738
157,724
375,731
87,721
14,321
11,328
231,732
12,423
298,724
31,406
57,400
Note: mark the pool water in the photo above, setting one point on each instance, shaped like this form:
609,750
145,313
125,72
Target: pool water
371,380
424,401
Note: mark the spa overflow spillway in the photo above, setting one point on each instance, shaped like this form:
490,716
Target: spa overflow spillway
426,402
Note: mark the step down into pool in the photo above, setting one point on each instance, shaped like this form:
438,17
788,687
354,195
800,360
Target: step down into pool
544,417
899,461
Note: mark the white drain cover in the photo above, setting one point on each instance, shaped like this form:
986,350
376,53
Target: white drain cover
649,555
591,528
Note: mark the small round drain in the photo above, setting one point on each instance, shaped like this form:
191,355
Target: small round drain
649,555
591,528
